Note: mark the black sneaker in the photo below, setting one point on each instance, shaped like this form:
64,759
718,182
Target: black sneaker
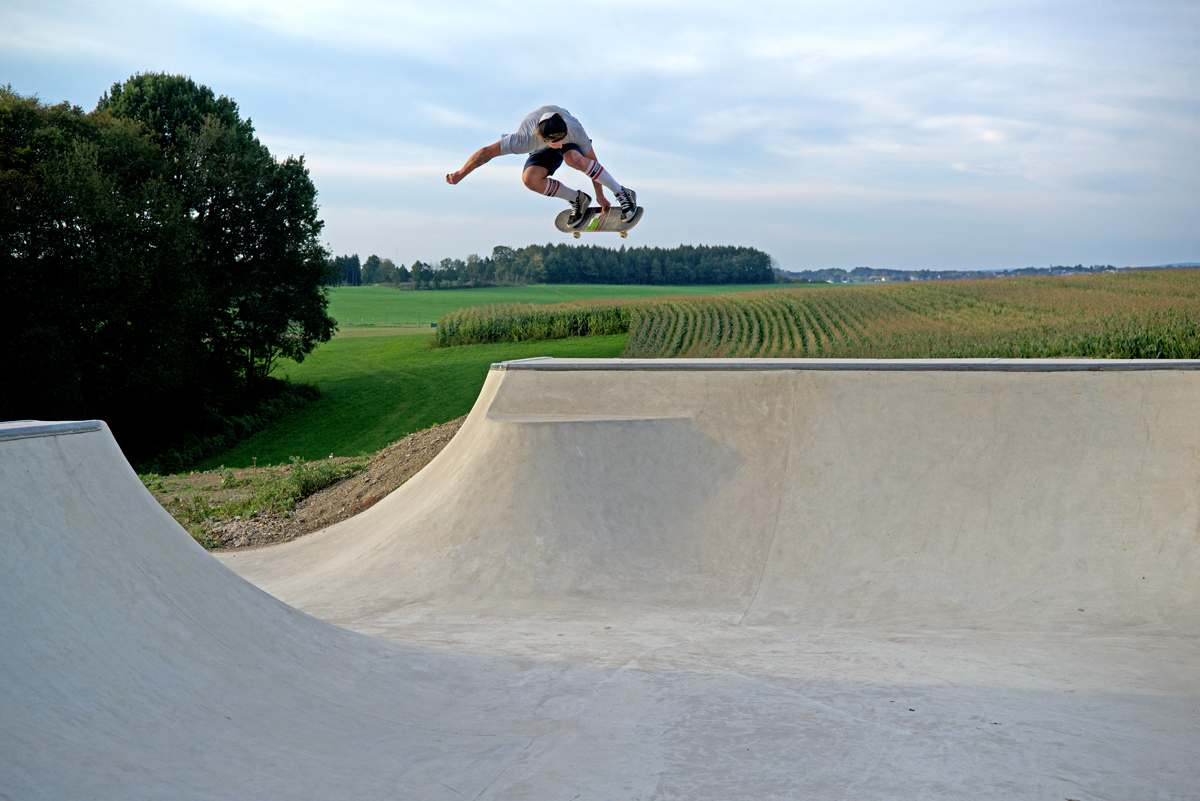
579,207
628,200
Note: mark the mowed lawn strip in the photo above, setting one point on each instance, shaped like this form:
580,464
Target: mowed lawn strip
376,390
380,305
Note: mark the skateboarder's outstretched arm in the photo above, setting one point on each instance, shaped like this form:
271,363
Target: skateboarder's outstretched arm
481,157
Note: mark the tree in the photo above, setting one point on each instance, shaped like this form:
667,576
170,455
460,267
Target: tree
475,270
157,260
97,260
171,106
377,270
255,219
349,269
387,268
421,274
370,270
503,263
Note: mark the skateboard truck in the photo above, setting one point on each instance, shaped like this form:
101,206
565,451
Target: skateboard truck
577,234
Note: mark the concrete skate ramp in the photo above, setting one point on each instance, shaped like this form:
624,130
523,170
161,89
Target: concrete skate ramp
134,666
982,494
701,580
1011,548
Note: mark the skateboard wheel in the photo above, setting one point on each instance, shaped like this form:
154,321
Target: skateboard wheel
624,234
575,234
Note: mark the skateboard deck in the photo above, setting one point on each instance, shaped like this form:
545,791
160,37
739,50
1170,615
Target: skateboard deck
597,220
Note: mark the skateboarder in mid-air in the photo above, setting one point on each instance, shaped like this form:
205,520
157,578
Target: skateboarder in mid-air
551,136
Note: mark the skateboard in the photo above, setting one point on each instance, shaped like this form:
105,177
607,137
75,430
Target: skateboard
598,220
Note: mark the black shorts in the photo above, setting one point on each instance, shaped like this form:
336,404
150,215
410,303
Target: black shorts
550,158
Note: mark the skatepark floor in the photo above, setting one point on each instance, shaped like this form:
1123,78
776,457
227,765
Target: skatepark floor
687,579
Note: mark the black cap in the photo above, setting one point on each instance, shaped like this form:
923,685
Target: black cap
552,126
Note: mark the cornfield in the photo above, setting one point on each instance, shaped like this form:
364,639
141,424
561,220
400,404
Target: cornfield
1143,314
516,322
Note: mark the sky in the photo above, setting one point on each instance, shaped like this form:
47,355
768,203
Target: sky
915,135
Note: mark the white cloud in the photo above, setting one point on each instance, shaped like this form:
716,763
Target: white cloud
455,118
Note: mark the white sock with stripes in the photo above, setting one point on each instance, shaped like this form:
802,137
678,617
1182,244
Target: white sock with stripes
556,189
601,176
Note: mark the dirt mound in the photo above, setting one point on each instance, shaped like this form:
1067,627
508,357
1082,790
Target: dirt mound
387,470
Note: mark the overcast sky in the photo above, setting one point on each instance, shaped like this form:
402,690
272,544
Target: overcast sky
958,134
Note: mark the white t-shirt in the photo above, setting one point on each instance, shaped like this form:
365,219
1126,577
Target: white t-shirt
526,140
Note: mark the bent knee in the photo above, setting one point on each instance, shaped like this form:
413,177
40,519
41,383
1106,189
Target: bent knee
575,159
534,181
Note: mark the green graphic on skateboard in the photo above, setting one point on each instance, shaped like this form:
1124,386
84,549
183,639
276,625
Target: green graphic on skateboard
598,220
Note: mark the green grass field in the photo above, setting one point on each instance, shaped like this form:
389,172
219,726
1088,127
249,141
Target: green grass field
379,389
377,305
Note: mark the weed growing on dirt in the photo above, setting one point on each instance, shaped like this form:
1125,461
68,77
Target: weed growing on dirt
201,502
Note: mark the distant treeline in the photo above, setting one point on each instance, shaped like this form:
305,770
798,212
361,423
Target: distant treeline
567,264
870,274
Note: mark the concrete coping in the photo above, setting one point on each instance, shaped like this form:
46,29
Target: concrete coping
889,365
27,429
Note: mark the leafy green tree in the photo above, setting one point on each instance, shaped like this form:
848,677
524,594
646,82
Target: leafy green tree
96,258
171,106
157,260
370,270
350,270
378,270
422,274
387,268
503,263
265,271
475,270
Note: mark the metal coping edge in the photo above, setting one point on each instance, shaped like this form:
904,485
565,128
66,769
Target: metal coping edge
883,365
50,429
